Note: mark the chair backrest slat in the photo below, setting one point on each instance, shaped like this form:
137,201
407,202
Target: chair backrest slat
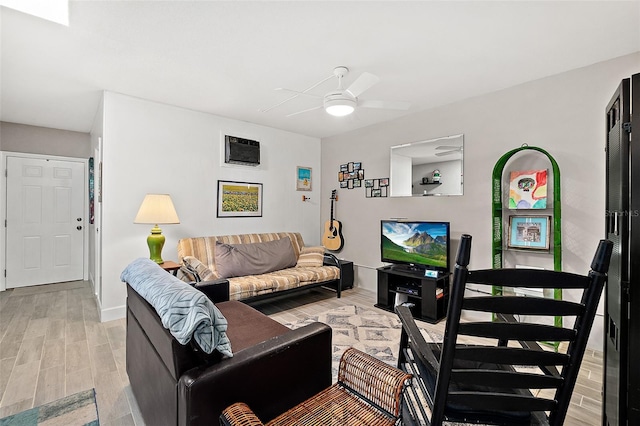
517,331
522,305
502,379
512,356
527,278
499,401
491,381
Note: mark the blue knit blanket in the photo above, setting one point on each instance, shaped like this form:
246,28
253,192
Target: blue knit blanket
184,311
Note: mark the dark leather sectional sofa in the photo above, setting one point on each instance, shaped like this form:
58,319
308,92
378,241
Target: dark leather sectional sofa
273,368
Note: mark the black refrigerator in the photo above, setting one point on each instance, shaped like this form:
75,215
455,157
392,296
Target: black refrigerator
621,381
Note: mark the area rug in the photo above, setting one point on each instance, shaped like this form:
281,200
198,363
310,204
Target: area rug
367,329
74,410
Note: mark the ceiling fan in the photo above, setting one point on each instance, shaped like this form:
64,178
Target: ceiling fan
341,102
449,150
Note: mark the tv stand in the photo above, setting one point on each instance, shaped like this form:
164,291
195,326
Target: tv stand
429,296
408,268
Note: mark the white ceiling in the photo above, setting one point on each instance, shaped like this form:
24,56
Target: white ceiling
227,57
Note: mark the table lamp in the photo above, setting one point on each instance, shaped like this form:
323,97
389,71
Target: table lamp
156,209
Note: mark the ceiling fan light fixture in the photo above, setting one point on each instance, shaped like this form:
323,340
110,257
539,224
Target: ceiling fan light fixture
339,106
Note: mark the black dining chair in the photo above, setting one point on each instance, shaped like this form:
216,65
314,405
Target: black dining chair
510,375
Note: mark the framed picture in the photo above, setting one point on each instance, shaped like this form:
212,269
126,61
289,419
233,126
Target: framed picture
303,181
368,183
529,232
344,167
528,189
239,199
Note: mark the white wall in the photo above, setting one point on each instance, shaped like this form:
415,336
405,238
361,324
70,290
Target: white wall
563,114
156,148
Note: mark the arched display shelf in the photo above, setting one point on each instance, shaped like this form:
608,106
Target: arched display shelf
498,245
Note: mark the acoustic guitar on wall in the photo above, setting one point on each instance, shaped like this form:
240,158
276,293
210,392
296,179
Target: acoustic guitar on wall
332,236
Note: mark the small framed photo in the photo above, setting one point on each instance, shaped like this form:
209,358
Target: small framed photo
357,165
360,174
529,232
357,183
303,181
350,167
350,183
368,183
344,167
384,181
239,199
340,176
344,184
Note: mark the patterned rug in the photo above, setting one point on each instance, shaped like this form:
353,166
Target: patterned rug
74,410
367,329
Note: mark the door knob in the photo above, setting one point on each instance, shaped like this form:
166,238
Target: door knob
79,227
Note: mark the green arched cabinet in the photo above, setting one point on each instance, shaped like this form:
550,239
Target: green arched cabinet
498,222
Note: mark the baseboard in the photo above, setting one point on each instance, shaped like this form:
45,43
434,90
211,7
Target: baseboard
112,313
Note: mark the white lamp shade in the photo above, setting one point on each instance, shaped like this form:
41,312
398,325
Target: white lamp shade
157,209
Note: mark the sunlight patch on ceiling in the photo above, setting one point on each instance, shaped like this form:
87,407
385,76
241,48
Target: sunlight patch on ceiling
52,10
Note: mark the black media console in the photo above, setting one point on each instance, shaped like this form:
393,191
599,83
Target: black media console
429,296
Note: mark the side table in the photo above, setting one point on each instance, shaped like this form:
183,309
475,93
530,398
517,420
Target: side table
346,266
170,266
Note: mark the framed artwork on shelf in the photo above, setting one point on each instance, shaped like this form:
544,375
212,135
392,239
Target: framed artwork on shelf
303,179
529,232
528,189
239,199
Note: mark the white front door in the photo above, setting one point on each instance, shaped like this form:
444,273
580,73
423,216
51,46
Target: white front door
45,221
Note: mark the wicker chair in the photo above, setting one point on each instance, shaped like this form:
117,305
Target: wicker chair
368,392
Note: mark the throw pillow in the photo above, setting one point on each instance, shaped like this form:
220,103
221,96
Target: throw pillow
198,269
311,257
237,260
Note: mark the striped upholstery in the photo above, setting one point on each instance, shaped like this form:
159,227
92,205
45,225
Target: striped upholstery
203,248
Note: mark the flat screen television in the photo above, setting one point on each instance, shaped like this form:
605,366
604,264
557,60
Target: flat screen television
415,244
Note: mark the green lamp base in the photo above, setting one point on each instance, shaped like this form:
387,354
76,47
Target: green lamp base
155,241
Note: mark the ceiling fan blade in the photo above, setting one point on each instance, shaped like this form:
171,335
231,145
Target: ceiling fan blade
303,111
296,94
397,105
282,89
362,83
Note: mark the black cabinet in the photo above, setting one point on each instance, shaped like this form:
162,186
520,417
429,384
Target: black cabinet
346,272
621,400
429,296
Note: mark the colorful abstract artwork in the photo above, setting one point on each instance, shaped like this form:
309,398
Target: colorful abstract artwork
528,189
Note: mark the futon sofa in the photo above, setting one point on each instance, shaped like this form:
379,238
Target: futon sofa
258,266
252,358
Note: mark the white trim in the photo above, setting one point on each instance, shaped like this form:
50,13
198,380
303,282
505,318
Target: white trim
113,313
4,155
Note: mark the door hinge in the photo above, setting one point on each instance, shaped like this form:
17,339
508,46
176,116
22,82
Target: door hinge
5,273
627,126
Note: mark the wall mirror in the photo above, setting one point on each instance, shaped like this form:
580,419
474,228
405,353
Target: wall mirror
427,168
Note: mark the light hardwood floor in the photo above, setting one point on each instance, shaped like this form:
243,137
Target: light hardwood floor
53,345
